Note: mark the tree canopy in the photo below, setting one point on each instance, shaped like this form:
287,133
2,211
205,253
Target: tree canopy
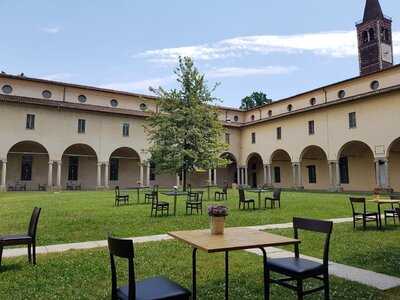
185,133
254,100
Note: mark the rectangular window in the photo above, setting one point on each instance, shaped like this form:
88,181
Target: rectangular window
30,121
277,174
352,120
228,138
152,171
125,129
81,126
73,167
114,168
253,137
312,174
344,170
279,133
311,127
26,168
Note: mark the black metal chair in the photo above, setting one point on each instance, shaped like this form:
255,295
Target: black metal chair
222,195
391,213
363,215
276,198
299,269
148,289
194,202
24,239
398,212
157,206
243,201
148,196
119,197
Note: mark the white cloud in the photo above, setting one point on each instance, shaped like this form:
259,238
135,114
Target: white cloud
334,44
139,86
51,30
244,72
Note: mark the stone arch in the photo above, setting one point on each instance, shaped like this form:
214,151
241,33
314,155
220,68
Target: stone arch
125,168
228,175
314,168
281,169
255,170
393,156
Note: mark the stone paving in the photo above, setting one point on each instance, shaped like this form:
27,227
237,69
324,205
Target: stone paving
366,277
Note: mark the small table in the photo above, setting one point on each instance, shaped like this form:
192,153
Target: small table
259,192
175,194
136,188
233,239
379,202
208,187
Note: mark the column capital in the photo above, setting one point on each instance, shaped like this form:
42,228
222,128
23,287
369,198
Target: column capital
51,162
106,163
333,161
295,163
99,164
4,161
381,159
58,162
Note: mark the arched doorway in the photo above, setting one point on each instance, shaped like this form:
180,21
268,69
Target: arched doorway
27,166
394,165
314,168
255,170
356,167
281,169
79,166
228,174
125,168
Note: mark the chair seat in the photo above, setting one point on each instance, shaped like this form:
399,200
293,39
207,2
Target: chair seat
156,288
391,211
248,200
162,203
15,239
295,266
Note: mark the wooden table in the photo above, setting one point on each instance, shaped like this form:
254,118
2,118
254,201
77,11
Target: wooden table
135,188
233,239
380,202
175,194
259,192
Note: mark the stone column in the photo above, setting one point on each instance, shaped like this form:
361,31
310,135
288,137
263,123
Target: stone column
3,176
330,174
299,176
294,175
141,174
246,176
377,174
387,177
209,177
177,180
59,164
271,175
336,163
148,174
215,176
238,175
99,164
265,168
50,175
106,175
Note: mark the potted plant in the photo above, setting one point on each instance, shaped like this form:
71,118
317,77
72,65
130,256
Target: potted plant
217,215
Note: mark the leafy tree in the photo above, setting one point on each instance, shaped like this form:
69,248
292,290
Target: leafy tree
185,133
254,100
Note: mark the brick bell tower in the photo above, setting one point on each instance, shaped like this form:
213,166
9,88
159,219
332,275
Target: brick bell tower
375,46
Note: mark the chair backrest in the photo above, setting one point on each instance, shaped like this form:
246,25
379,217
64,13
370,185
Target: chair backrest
355,202
154,197
395,197
397,210
34,222
117,193
200,196
242,196
124,249
192,197
277,194
225,189
315,226
155,188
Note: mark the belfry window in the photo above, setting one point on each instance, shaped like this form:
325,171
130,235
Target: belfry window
365,37
371,33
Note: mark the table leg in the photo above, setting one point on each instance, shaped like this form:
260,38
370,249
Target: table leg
266,275
194,287
259,200
379,216
138,196
175,205
226,275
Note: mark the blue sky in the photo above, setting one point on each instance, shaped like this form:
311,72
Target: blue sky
278,47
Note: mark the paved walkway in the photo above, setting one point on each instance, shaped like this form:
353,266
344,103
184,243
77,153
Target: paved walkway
373,279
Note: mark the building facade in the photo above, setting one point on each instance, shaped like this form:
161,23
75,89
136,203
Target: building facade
343,136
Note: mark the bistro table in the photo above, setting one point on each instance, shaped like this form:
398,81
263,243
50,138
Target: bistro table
175,194
380,202
135,188
259,191
233,239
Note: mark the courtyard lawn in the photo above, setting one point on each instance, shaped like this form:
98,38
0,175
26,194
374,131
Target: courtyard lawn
86,216
86,275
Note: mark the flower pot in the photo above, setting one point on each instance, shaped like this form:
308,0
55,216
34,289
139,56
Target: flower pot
217,225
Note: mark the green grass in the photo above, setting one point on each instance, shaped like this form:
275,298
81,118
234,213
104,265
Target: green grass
375,250
85,275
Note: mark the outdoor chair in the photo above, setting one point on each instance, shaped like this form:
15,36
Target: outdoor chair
119,197
222,195
391,213
151,288
157,206
148,196
19,186
362,215
42,187
276,198
298,269
243,201
194,202
398,212
24,239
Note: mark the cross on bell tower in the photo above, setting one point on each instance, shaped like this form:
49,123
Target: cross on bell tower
375,45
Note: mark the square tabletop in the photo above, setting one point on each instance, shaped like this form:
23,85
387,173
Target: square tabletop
232,239
173,193
384,201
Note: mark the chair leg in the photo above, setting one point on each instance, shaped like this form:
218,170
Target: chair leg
29,253
34,253
364,223
326,286
1,254
299,289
